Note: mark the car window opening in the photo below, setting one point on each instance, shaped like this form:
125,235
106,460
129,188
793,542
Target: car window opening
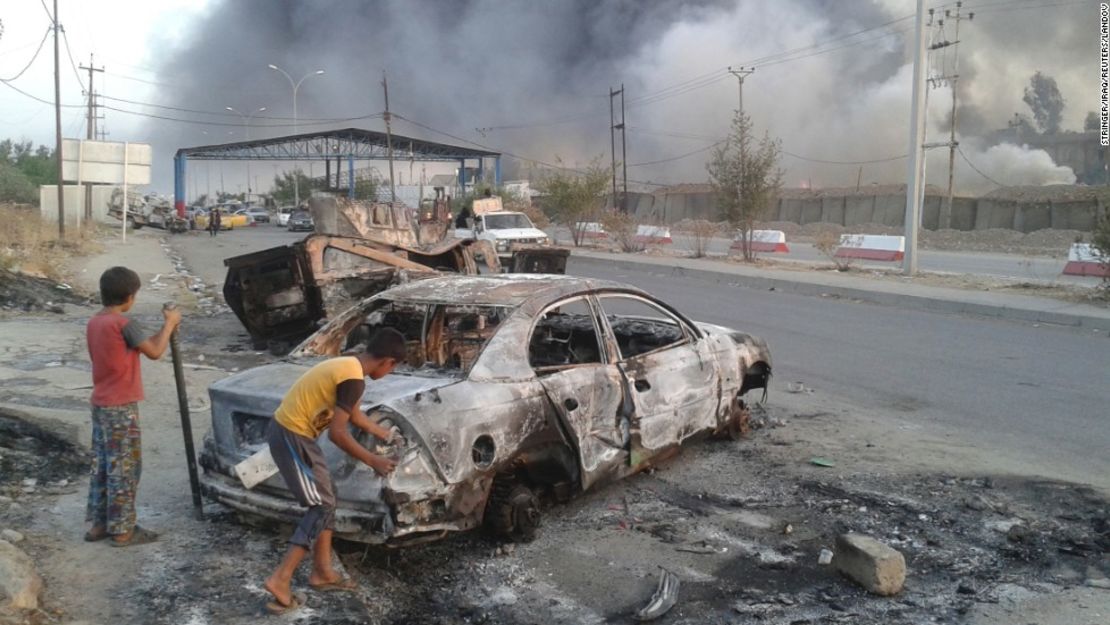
640,327
564,337
507,221
439,337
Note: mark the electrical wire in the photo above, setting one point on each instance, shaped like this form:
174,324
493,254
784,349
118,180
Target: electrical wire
33,57
831,162
48,13
225,113
977,170
237,124
680,156
72,63
36,98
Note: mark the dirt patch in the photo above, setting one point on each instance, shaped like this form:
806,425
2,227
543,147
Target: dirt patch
26,293
27,451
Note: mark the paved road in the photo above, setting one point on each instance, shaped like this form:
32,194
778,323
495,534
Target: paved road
1012,266
1036,393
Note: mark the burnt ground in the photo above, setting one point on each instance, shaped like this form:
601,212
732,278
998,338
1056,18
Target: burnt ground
25,293
28,451
717,516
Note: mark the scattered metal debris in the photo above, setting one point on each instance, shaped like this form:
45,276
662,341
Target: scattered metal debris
665,598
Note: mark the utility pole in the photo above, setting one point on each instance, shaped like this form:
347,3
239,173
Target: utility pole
741,74
388,142
952,79
914,174
613,127
90,127
613,144
624,159
58,130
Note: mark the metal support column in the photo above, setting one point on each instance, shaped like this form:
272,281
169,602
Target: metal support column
481,173
351,177
462,177
178,185
497,171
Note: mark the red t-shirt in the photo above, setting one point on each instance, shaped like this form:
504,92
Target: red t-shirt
113,341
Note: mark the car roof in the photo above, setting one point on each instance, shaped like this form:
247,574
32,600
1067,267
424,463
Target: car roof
509,290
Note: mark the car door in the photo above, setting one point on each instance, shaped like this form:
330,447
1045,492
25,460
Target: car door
568,353
669,369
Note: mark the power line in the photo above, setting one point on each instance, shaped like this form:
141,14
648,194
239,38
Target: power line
234,124
72,63
36,98
680,156
225,113
831,162
42,42
48,14
977,170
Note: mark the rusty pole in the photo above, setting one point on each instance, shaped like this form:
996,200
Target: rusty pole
388,141
186,422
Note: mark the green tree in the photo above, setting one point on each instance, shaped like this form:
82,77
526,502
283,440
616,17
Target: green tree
574,198
284,191
1091,123
1044,99
746,178
15,186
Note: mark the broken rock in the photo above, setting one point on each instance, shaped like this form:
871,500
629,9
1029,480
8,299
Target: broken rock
20,585
879,568
11,536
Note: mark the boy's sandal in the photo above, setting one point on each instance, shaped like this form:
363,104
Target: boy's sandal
139,536
92,537
343,584
277,608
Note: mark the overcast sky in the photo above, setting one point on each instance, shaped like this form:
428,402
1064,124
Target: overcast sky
533,76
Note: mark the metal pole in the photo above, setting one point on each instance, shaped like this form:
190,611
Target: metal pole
915,173
624,158
125,202
946,214
58,130
613,144
186,422
388,143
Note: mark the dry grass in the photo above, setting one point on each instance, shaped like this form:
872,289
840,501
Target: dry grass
621,228
31,246
697,233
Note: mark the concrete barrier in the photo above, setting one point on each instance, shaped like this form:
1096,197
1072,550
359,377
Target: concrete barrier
1084,259
591,230
763,241
653,235
871,247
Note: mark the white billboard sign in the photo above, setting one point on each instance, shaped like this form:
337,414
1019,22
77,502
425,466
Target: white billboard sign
102,162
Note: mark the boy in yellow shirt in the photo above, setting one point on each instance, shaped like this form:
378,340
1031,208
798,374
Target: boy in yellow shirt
327,397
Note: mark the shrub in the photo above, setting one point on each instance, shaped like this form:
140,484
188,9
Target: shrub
621,228
697,234
827,242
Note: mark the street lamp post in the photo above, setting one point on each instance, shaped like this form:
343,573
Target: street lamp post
247,133
296,86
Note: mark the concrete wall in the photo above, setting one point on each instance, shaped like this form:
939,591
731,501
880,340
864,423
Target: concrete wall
887,209
75,204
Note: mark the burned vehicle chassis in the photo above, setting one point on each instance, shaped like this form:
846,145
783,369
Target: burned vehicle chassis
506,403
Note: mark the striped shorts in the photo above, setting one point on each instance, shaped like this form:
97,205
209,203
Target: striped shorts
301,463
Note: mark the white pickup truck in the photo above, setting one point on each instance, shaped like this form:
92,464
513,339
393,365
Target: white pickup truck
501,228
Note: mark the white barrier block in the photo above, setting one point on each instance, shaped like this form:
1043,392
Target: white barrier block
871,247
1085,259
657,235
763,241
591,230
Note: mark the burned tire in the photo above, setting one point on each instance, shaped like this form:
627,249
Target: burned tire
738,424
513,511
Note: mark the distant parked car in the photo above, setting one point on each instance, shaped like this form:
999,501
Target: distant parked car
257,215
301,221
283,214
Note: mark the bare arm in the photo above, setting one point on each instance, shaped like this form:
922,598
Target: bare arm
155,346
340,435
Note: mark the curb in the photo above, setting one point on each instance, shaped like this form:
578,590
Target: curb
897,300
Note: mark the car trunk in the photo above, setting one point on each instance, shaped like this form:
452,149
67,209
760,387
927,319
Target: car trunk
243,407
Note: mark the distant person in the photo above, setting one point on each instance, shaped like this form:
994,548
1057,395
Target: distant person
462,221
214,222
114,343
326,397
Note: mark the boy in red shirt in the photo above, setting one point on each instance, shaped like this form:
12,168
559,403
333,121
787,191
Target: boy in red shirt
115,343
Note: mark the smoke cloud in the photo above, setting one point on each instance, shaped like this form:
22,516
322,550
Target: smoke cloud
532,78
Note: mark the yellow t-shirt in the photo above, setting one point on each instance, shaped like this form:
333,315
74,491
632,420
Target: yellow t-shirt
308,407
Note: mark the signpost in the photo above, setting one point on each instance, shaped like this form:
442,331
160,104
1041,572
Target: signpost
107,162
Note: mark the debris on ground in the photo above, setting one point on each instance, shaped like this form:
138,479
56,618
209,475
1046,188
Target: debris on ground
879,568
20,584
30,455
664,598
27,293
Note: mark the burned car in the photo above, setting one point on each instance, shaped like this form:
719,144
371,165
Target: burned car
517,389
